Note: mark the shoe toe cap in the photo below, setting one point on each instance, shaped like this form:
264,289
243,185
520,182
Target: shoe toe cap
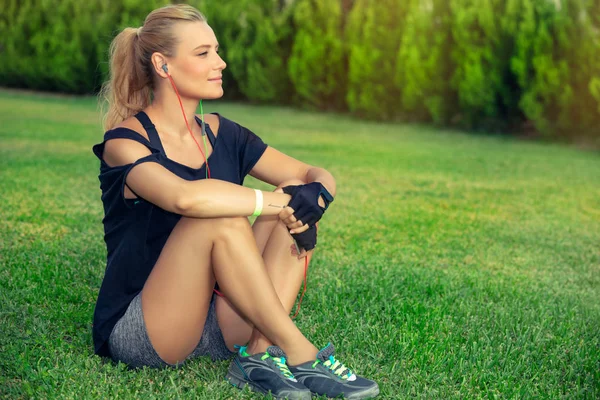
295,394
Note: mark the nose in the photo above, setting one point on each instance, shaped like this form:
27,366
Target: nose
222,64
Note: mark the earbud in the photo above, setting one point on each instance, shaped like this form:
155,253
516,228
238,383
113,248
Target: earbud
164,68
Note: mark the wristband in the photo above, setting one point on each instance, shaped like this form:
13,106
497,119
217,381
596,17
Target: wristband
259,203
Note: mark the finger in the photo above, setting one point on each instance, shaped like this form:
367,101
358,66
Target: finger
290,220
295,225
303,228
307,216
292,228
302,254
286,213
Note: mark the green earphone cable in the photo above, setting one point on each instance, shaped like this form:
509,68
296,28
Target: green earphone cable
204,136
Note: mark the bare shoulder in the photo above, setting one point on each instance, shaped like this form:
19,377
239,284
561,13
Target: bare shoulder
213,121
133,124
125,151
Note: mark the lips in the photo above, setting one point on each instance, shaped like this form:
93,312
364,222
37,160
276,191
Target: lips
216,79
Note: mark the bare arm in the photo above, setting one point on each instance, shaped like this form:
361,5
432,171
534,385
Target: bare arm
274,167
316,174
201,199
215,198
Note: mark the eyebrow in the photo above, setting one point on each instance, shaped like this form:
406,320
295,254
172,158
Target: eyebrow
204,45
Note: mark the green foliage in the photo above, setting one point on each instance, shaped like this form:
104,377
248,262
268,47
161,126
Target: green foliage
39,48
219,18
317,65
557,62
257,37
373,34
424,67
62,45
500,65
481,54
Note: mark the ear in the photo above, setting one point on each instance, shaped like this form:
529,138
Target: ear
158,61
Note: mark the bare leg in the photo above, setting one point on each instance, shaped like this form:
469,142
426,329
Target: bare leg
285,271
177,293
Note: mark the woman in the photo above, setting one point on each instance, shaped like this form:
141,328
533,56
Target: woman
172,234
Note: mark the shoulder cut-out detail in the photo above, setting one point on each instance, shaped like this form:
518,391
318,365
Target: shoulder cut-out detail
122,151
134,124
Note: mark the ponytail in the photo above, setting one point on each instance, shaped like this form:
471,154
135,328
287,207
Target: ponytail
127,91
129,87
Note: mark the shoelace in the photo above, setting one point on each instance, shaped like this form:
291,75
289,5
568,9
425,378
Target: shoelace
337,368
281,364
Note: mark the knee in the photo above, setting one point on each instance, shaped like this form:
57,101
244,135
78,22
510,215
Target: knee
232,222
224,227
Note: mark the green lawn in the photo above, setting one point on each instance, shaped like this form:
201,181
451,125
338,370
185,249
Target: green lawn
450,266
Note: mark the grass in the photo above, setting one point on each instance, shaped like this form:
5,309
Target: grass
450,266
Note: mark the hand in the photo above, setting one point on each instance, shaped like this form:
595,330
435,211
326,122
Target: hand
306,241
306,202
294,226
303,253
287,217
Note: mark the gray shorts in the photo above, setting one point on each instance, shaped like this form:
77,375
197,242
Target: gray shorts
130,344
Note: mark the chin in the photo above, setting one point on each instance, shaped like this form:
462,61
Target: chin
212,95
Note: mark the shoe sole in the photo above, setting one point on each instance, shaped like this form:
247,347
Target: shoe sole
241,382
368,393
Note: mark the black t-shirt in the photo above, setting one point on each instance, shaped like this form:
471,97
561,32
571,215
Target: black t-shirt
136,230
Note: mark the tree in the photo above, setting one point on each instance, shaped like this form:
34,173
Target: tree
373,35
424,66
317,61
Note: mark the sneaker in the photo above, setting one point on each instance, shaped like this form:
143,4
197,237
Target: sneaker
264,373
327,376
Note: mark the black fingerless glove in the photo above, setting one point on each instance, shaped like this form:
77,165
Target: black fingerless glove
305,201
306,240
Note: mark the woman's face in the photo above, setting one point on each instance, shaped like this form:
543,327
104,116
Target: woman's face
197,68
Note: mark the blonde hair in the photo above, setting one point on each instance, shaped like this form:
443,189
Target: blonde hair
129,87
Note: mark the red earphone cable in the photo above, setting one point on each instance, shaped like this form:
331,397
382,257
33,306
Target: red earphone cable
208,172
303,290
188,125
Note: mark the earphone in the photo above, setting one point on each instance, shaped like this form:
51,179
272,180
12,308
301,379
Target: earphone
166,70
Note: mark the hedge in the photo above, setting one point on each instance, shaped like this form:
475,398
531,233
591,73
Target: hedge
317,64
488,64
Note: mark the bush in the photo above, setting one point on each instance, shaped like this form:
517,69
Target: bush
557,62
219,19
373,35
317,62
257,36
424,67
492,64
62,45
486,88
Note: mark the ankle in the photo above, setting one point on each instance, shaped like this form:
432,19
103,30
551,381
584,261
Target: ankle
258,343
302,355
256,347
